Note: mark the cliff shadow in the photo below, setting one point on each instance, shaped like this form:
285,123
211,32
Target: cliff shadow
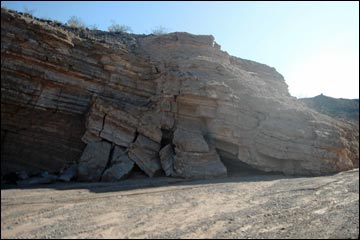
140,181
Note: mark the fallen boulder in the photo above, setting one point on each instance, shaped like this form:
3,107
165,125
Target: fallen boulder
189,141
120,166
167,159
43,178
198,165
69,174
144,152
93,161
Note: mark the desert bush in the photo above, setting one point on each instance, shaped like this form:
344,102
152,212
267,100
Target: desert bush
115,27
159,30
76,22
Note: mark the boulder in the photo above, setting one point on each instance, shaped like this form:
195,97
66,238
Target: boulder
120,166
93,161
42,178
69,174
144,152
188,141
118,171
167,159
118,154
198,165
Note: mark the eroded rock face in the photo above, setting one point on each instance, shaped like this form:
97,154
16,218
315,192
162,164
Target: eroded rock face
89,87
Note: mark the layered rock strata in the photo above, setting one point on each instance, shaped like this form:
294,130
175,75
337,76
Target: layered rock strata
74,95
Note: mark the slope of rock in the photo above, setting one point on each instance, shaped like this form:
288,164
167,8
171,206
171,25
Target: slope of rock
63,88
347,109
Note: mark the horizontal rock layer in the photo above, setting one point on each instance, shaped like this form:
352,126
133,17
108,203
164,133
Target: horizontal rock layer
63,87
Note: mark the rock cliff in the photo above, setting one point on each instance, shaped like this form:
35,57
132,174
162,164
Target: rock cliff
111,100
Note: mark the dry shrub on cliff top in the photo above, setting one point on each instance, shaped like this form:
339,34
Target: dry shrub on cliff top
159,30
115,27
76,22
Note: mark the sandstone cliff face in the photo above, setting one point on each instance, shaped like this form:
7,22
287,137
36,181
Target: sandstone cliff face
71,95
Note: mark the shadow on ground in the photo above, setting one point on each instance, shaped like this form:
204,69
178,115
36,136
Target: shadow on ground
141,182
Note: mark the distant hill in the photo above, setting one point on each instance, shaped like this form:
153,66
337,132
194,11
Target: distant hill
347,109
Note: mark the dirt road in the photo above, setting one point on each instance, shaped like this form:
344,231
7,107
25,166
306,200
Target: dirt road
268,206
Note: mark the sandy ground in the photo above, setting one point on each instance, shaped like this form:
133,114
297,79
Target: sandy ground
268,206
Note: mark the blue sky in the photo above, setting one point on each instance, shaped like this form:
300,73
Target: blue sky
314,45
